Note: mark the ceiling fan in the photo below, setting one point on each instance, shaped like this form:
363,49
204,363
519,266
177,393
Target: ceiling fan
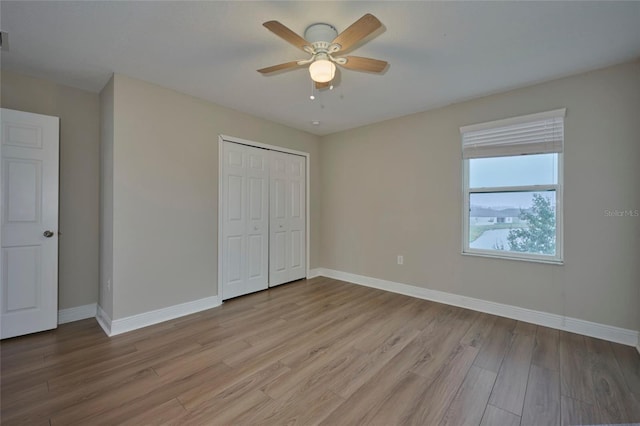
322,42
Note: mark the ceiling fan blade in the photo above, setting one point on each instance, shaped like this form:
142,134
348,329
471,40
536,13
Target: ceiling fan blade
364,64
279,67
357,31
322,85
286,34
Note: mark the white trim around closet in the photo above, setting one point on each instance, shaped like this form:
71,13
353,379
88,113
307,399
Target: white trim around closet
223,138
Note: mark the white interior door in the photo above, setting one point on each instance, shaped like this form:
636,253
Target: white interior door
287,236
29,216
245,219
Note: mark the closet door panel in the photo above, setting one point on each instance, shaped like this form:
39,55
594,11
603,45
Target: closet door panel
245,212
297,217
257,226
287,222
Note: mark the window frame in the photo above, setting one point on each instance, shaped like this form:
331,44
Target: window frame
530,257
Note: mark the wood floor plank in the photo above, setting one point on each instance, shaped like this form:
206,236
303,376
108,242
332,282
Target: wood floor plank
309,375
286,344
36,392
170,412
308,408
479,331
230,385
194,360
368,396
494,416
291,331
316,345
441,392
32,421
223,335
575,412
138,396
511,383
87,340
367,366
28,412
377,330
399,403
545,350
223,411
629,360
497,345
525,328
16,364
448,335
615,402
44,341
312,413
153,333
471,400
94,376
168,338
61,367
542,401
576,380
318,351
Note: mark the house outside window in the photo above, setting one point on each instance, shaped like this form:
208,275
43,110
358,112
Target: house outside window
513,187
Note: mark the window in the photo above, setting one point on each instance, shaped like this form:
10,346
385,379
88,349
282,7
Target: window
513,187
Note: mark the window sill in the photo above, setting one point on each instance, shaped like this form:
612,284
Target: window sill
521,259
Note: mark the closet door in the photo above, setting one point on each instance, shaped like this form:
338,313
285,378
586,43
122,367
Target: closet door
287,235
245,212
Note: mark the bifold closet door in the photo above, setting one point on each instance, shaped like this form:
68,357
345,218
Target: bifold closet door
287,217
245,211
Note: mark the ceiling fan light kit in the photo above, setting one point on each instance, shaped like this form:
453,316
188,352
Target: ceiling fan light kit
322,41
322,70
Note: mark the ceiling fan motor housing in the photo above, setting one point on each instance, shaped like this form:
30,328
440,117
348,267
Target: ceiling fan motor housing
320,36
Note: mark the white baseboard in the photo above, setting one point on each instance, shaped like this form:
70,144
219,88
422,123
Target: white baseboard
560,322
134,322
104,320
315,272
77,313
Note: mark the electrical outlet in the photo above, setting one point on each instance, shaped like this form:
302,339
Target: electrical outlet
109,284
4,41
400,260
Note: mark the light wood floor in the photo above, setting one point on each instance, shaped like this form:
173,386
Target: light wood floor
320,351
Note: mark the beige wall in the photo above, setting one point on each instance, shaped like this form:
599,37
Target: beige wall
165,192
387,189
79,179
395,188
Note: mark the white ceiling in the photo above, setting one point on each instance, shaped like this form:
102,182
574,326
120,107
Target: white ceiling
440,52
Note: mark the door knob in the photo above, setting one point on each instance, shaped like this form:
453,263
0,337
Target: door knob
47,234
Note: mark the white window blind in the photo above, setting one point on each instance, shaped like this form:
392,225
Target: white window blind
539,133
